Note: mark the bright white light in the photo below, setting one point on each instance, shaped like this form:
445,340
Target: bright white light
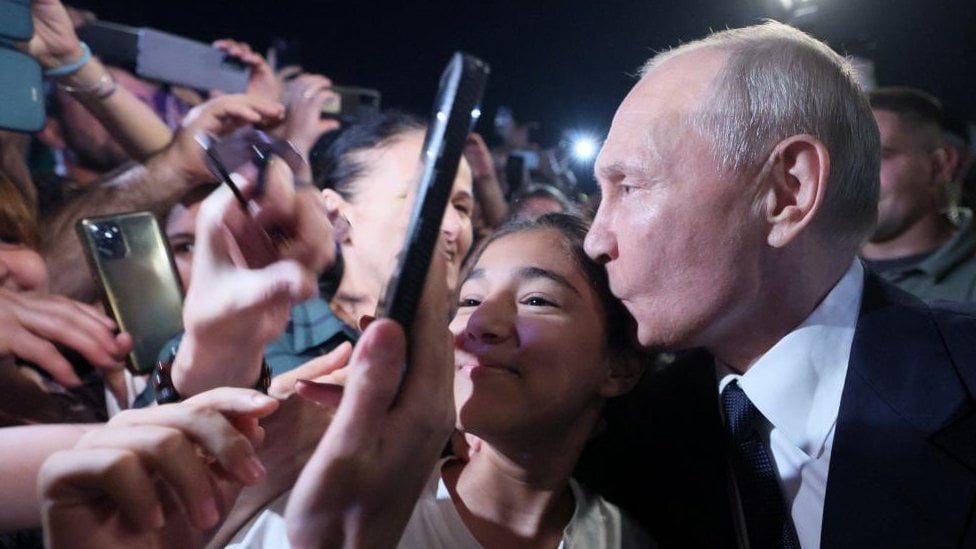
476,113
584,148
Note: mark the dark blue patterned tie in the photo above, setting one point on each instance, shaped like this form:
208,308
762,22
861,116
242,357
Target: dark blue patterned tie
767,523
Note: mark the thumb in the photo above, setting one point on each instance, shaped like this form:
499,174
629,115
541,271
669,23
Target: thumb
374,380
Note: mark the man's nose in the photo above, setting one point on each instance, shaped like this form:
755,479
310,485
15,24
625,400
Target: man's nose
600,243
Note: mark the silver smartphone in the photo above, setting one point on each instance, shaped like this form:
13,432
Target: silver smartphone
132,264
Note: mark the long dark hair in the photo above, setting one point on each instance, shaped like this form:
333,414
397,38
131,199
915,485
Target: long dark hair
332,160
335,166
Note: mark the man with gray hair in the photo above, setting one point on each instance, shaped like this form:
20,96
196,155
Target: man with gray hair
825,407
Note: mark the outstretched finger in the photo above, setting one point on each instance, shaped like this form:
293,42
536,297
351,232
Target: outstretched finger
283,385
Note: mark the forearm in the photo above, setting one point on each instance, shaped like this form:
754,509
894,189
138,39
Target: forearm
130,121
155,186
26,448
202,364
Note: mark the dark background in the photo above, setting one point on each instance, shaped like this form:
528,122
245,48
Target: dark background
564,64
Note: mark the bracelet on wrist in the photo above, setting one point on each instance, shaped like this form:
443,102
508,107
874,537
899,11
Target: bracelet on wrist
102,89
71,68
162,380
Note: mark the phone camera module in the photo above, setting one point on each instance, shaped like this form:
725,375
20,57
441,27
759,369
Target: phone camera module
108,240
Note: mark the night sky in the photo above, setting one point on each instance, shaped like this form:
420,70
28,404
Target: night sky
564,64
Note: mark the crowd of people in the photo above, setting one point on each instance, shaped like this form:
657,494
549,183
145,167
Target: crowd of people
759,333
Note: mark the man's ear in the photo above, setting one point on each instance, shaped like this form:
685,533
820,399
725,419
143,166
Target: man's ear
944,162
796,184
624,370
336,208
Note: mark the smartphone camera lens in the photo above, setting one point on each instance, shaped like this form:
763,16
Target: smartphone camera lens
108,240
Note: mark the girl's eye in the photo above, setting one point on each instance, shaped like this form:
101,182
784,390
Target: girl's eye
183,248
469,302
536,301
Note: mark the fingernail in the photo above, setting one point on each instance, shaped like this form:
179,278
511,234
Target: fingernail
261,400
252,469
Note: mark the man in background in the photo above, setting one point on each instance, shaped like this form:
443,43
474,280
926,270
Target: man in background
919,244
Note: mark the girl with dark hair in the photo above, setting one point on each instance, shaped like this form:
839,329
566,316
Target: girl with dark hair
540,345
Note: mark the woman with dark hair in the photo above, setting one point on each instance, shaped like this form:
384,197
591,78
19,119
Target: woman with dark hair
368,173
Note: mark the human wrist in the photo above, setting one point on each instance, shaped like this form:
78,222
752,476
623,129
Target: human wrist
199,367
93,81
58,66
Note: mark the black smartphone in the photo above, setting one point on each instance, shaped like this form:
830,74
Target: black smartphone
456,109
134,269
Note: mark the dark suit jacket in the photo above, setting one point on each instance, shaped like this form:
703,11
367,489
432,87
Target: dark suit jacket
903,464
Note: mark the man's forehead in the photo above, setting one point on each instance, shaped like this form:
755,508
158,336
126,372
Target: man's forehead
657,109
679,83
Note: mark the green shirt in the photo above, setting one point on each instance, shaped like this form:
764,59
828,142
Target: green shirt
948,273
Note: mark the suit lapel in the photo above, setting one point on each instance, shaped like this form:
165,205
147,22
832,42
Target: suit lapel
897,475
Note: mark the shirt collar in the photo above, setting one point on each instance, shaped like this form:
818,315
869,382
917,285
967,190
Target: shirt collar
313,323
797,384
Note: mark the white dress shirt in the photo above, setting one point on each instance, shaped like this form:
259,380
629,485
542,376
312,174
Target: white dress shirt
797,386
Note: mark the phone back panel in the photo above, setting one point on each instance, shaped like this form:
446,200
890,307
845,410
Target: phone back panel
132,264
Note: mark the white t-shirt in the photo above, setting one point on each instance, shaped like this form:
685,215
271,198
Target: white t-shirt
435,523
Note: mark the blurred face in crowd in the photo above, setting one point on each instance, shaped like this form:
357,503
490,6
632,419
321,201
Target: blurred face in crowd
21,268
681,241
530,348
913,175
181,233
379,210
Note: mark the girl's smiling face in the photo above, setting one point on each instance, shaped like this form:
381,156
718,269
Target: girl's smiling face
530,346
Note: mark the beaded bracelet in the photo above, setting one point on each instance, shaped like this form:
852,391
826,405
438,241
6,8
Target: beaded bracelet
162,381
71,68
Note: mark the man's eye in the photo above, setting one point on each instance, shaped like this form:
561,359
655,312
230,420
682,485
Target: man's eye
463,208
536,301
468,302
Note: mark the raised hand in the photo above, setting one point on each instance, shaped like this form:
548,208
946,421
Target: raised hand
250,267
